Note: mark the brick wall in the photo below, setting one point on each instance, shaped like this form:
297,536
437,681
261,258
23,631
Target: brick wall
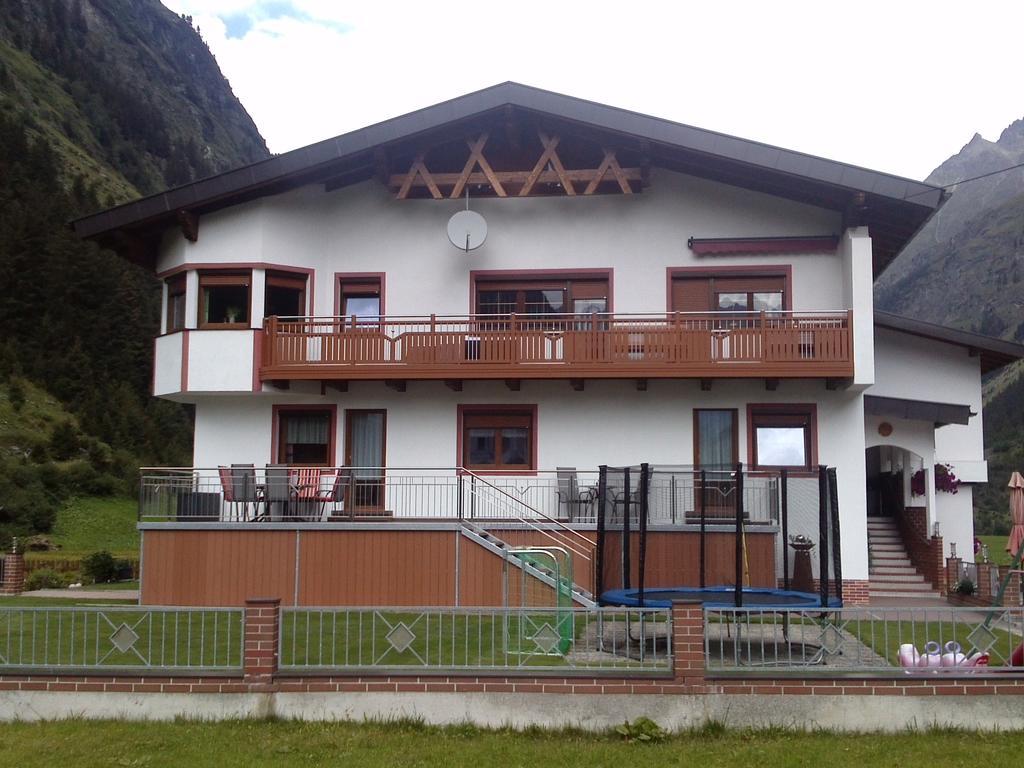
855,591
688,675
925,551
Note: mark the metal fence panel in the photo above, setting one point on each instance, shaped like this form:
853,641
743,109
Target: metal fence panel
562,641
850,641
178,640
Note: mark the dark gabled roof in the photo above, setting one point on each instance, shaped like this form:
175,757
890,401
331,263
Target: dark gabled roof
893,208
994,353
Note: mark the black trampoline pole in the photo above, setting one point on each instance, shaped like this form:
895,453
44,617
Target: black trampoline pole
739,535
642,490
626,565
602,492
784,480
823,568
703,527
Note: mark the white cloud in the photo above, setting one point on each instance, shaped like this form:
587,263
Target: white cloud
893,86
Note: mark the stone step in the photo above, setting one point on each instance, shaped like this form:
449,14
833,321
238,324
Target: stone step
908,586
892,568
890,594
884,538
896,578
886,547
881,522
889,562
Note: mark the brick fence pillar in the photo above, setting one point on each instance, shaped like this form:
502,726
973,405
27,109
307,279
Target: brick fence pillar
14,572
688,643
954,567
1011,597
936,573
984,584
262,623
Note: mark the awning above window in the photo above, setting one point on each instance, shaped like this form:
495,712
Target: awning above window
939,414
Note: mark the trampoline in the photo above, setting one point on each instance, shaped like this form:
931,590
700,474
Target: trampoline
716,597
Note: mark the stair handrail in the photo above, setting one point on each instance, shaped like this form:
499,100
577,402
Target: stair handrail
567,534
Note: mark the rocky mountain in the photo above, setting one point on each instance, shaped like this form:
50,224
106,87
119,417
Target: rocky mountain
965,269
100,101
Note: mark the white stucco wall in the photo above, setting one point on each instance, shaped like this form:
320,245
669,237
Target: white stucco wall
363,228
220,361
167,364
610,422
920,369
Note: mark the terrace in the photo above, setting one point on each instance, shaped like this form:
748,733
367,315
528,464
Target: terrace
512,347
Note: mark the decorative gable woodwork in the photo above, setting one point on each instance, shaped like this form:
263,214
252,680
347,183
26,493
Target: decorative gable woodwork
498,168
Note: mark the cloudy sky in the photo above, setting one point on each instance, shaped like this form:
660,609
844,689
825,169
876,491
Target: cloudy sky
895,86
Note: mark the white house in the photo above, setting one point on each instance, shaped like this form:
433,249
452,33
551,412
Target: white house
646,292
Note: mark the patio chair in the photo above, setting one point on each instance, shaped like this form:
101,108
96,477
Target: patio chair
339,482
308,493
571,495
278,491
246,490
239,486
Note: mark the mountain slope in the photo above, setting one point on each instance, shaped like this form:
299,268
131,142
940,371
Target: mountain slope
100,101
965,269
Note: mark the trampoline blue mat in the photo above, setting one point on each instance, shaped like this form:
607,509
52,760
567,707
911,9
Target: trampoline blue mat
721,597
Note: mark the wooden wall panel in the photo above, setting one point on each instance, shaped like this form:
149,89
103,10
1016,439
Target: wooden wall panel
377,567
220,568
673,559
399,567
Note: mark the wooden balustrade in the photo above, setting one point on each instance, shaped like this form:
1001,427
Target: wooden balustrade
673,345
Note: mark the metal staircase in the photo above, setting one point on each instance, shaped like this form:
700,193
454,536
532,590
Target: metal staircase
521,559
490,501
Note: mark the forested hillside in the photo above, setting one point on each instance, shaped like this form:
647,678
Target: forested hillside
100,101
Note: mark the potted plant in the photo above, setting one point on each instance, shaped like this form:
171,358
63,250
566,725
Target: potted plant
233,313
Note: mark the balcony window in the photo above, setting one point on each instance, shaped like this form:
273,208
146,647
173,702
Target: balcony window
360,298
305,437
762,289
224,300
783,436
497,439
285,295
176,304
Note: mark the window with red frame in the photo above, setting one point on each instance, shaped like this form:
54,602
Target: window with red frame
497,440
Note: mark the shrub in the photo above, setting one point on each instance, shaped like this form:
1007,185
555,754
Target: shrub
44,578
16,393
965,587
643,729
123,570
99,567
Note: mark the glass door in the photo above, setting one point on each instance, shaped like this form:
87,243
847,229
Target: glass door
365,434
716,452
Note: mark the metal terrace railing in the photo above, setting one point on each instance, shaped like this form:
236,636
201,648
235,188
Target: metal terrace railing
545,346
862,641
562,641
338,494
121,638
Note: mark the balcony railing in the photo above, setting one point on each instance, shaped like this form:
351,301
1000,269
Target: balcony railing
678,344
250,495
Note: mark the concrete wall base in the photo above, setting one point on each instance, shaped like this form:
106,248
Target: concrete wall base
591,712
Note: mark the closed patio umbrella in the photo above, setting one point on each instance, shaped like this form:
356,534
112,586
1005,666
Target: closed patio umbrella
1017,512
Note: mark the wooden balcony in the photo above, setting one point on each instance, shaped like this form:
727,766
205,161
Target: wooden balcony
605,346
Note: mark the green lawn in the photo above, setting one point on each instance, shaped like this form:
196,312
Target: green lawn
90,524
283,744
997,549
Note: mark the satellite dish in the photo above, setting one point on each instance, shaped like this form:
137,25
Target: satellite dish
467,230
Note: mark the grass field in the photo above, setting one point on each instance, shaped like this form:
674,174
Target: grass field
90,524
284,744
997,549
